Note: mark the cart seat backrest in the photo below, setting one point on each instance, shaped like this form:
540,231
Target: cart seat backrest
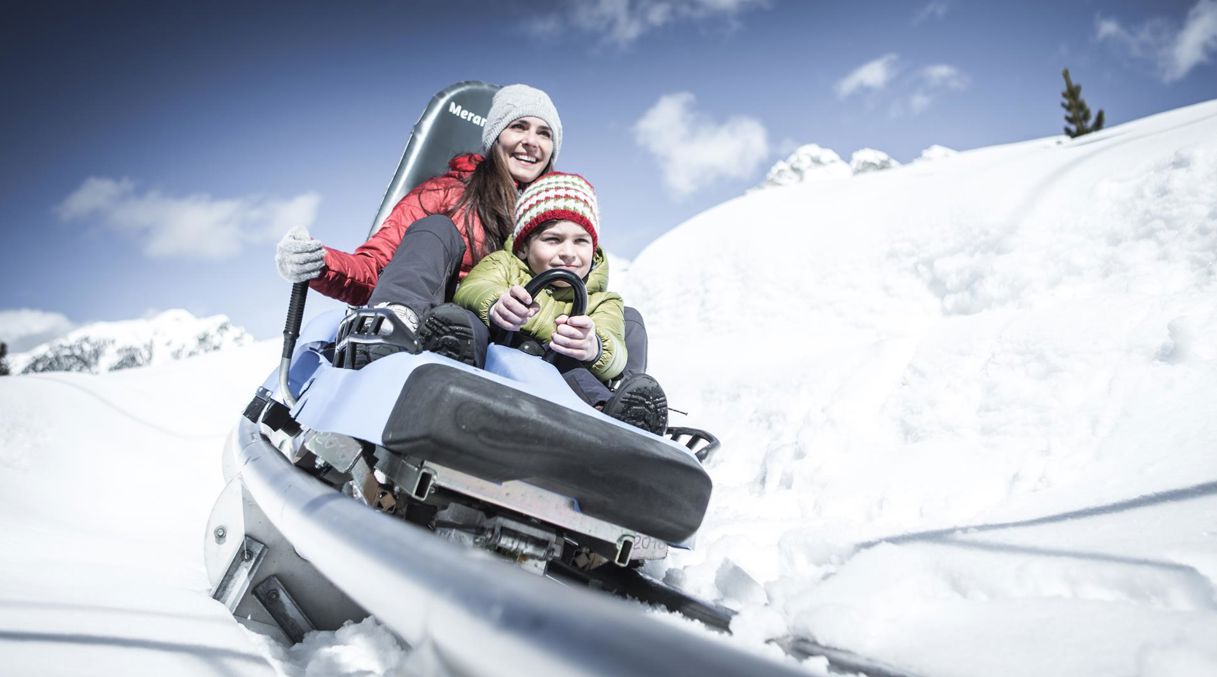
451,124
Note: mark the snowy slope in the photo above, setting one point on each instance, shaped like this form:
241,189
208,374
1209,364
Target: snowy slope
967,408
105,487
1005,334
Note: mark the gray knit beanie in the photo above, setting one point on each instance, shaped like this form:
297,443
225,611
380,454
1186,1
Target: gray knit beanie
520,101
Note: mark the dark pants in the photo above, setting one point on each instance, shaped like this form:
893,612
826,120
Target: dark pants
587,386
425,270
635,343
583,382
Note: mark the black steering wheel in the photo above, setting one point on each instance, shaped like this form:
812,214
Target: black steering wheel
547,279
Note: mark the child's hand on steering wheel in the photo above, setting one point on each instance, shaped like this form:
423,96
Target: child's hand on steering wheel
513,309
575,337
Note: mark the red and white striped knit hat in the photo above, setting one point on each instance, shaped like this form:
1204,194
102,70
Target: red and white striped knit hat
557,196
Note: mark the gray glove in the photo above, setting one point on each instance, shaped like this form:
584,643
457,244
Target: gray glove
300,257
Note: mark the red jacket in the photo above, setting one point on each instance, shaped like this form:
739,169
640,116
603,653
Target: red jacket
351,277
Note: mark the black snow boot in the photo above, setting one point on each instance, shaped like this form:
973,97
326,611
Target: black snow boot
641,402
368,334
448,330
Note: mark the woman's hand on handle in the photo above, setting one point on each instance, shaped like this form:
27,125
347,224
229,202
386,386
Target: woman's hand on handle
575,337
513,309
300,257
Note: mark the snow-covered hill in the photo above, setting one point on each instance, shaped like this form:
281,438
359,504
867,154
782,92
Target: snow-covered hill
111,346
967,409
1024,334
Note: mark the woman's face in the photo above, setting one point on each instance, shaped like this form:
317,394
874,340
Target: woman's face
562,244
527,145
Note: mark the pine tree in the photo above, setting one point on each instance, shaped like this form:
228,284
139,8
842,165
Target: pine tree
1077,113
3,364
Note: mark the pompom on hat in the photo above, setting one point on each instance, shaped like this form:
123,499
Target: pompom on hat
520,101
557,196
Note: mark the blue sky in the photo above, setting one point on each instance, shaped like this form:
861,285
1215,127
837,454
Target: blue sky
154,151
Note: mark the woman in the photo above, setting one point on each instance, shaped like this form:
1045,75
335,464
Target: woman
439,230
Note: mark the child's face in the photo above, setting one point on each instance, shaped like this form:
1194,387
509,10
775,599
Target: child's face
562,244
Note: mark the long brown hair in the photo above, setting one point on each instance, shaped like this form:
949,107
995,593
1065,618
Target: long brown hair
490,194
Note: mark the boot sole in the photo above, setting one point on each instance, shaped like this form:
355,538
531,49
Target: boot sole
451,338
640,408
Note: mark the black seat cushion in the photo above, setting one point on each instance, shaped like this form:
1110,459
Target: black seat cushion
456,419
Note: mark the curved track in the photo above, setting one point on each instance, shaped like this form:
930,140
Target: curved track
477,613
481,616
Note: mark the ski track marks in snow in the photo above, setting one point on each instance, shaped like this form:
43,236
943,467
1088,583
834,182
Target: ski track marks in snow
102,519
135,417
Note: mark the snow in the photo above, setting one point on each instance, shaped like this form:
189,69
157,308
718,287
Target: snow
999,336
363,648
870,160
812,162
966,408
105,487
617,265
936,152
110,346
807,163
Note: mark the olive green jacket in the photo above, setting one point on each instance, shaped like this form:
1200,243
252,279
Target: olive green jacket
497,272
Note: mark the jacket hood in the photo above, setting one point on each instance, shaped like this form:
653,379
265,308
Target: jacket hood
462,166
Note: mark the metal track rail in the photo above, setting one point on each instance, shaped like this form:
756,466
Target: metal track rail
477,614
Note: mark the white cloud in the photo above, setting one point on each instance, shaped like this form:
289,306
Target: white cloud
1110,29
1196,41
193,226
693,150
919,101
944,76
870,75
94,195
1175,50
927,84
621,22
25,328
936,9
1147,41
912,93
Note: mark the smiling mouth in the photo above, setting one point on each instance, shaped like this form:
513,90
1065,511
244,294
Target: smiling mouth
525,158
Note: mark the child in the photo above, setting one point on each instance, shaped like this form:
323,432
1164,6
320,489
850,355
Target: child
557,225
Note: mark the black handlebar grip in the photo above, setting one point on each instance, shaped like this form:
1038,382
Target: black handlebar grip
551,276
536,284
295,315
